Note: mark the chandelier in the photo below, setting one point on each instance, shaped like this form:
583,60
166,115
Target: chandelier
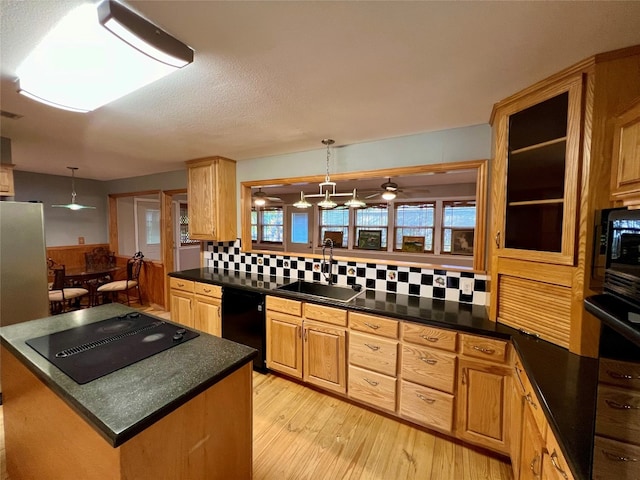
328,190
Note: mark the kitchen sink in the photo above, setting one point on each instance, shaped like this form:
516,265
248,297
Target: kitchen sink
332,292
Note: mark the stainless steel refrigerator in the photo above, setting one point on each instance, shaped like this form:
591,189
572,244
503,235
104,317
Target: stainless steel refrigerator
23,263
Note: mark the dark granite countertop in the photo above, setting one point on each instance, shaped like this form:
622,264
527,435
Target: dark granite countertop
565,382
619,315
124,403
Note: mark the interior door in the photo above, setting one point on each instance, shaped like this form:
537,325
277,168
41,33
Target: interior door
299,230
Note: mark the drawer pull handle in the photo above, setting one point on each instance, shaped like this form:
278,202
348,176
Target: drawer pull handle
373,383
180,284
527,332
429,361
488,351
529,400
207,290
425,399
497,239
554,462
617,458
375,348
534,465
622,376
371,325
621,406
429,339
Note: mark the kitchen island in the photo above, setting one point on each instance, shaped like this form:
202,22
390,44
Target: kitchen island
185,412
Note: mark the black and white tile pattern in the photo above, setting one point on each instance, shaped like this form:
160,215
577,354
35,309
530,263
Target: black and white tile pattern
463,287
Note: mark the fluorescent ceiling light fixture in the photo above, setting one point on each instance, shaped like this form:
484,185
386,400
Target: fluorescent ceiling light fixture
73,205
328,190
95,56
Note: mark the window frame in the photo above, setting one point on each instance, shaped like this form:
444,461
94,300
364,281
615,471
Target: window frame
397,204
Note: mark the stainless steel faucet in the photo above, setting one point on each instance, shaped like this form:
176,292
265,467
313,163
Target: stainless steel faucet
327,243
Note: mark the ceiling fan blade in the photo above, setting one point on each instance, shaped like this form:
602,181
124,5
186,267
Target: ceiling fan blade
274,199
373,195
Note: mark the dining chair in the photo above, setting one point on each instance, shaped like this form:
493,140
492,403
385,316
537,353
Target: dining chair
61,297
134,264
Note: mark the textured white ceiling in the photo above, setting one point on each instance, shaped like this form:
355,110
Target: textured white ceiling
276,77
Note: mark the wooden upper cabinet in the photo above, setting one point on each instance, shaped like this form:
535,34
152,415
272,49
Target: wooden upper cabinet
625,171
6,180
211,192
536,175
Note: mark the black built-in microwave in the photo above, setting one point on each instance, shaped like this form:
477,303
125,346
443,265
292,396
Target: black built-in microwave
622,255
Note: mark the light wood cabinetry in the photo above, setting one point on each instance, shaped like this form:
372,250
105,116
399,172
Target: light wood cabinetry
483,393
181,298
428,372
551,172
211,192
617,452
554,465
6,180
310,346
284,342
196,305
207,315
625,172
532,450
373,360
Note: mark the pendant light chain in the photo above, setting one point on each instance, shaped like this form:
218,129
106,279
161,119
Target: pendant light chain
328,142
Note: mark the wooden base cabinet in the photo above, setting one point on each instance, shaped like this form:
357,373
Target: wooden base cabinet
196,305
325,356
426,406
531,452
181,299
284,336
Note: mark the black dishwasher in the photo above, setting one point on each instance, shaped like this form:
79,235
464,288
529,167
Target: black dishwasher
243,321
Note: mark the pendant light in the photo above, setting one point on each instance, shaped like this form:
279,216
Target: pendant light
73,205
328,190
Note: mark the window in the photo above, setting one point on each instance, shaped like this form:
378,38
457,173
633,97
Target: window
254,225
271,224
184,226
372,218
152,221
458,224
335,220
414,220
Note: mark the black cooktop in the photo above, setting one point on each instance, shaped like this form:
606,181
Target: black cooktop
91,351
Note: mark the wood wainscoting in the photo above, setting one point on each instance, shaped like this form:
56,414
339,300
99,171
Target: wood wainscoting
152,274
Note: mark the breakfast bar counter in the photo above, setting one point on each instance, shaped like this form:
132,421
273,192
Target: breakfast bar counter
184,412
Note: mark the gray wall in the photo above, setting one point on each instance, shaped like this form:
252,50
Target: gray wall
63,227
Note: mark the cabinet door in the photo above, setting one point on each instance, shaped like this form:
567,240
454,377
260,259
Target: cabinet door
625,172
483,404
202,213
515,426
532,449
536,175
181,307
325,356
284,343
207,315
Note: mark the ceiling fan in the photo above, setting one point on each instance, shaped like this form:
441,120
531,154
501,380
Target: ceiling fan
260,198
390,190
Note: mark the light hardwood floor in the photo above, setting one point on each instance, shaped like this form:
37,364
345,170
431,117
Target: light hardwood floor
300,433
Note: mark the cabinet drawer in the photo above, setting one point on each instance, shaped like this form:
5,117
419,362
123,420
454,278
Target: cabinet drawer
618,372
618,414
372,324
484,348
429,367
335,316
179,284
291,307
372,388
612,459
429,336
373,353
208,290
555,461
426,406
530,398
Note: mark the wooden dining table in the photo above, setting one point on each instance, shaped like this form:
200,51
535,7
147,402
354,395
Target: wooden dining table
87,278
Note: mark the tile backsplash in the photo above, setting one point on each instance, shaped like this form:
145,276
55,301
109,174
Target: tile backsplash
467,287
